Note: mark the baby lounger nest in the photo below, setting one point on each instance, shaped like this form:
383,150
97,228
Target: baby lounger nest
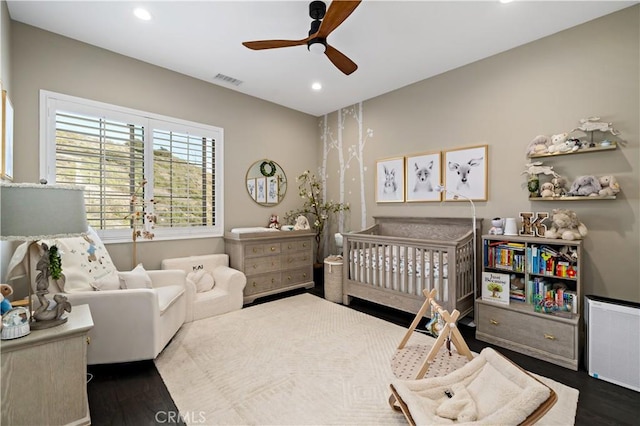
489,389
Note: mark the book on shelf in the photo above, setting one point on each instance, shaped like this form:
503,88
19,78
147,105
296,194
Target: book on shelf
495,287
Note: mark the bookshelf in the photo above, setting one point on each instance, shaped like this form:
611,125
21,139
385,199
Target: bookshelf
542,315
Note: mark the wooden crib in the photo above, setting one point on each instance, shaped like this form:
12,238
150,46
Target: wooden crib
392,262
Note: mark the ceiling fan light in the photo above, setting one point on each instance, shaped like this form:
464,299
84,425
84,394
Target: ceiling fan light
317,48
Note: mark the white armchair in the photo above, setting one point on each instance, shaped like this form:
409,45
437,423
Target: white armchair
204,271
134,319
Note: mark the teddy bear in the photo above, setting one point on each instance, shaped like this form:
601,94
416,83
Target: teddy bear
5,291
546,190
538,145
565,225
559,186
610,185
274,222
559,143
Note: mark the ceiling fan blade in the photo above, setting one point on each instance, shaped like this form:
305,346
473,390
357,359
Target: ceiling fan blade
338,59
273,44
338,11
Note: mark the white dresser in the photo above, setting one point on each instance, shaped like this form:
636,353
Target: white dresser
272,261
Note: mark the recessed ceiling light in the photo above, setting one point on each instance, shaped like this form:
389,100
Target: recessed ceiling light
142,14
505,1
316,86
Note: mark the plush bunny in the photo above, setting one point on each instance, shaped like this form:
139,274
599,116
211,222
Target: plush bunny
610,185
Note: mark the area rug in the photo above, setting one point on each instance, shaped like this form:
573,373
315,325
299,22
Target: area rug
294,361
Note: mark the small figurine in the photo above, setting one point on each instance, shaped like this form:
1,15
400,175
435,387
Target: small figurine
301,223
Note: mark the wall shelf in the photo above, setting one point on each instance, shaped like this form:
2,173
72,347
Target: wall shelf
586,198
611,147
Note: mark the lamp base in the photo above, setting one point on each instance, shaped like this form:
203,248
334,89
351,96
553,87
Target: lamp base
40,325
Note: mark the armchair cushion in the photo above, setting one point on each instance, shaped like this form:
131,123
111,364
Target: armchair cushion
108,282
136,278
202,279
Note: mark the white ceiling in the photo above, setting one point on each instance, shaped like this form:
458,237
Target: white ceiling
394,43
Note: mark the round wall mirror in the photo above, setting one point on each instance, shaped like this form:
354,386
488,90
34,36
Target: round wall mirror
266,182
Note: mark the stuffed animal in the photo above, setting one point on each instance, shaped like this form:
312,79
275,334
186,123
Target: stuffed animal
538,145
559,143
610,185
546,190
585,186
5,291
273,222
565,225
559,186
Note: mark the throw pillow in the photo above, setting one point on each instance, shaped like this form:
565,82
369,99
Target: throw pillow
202,279
108,282
84,261
136,278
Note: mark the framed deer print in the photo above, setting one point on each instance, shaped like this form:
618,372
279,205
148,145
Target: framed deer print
390,180
423,177
465,173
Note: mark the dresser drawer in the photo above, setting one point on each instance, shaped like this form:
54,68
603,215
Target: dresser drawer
296,245
262,249
262,283
260,265
535,331
296,276
296,259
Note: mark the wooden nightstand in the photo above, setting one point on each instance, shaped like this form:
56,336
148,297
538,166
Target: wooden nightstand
44,374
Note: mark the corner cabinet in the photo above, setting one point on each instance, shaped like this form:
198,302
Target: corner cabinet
595,149
543,316
273,261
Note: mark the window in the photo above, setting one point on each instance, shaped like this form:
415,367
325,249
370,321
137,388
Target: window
112,151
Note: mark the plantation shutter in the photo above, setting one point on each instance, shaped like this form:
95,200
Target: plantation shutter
106,157
184,178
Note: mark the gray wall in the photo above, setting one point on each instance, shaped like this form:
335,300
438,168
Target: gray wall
544,87
6,248
253,129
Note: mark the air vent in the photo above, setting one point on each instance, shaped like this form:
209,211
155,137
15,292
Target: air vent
227,79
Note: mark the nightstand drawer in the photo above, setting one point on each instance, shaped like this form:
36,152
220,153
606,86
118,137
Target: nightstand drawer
534,331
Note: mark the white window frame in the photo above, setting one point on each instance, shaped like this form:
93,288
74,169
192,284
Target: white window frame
51,101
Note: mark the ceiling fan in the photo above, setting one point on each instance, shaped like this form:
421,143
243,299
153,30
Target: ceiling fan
324,22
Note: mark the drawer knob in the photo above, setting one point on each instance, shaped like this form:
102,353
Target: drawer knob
494,322
304,245
273,280
255,250
289,278
289,260
549,336
88,340
254,284
289,246
254,266
273,249
304,275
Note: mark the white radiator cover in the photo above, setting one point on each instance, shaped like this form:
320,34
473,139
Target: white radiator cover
613,341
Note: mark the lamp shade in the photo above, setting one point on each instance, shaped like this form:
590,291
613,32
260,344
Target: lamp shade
36,212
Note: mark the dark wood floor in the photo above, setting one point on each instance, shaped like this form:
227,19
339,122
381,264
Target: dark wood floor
134,394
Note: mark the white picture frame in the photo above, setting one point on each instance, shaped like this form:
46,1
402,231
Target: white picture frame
465,173
390,180
272,190
423,173
6,169
251,188
261,190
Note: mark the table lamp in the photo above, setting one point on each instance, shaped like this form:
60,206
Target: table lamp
34,212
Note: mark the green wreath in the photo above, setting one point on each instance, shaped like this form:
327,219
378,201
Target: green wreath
263,168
